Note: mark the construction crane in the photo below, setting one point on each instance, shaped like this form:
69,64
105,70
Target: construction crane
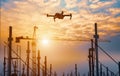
34,51
28,50
24,38
77,39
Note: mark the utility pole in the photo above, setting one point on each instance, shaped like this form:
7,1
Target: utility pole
63,74
55,74
75,69
28,57
38,62
9,50
100,69
93,52
4,63
107,71
15,68
96,36
104,74
45,65
91,59
90,68
20,60
23,74
71,74
67,74
43,71
50,69
119,68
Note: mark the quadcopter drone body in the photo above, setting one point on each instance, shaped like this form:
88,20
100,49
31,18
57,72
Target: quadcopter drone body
59,15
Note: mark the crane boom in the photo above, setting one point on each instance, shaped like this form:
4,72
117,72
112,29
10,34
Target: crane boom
77,39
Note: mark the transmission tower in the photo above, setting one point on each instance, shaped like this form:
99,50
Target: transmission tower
34,51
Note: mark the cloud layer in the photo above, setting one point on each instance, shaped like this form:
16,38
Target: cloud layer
27,13
24,14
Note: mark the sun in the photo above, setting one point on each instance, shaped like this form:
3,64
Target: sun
45,41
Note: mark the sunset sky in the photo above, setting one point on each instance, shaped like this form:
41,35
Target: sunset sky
23,15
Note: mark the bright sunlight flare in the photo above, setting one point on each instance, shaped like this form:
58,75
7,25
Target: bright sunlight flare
45,41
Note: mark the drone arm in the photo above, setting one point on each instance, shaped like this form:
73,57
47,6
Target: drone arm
69,15
66,15
50,15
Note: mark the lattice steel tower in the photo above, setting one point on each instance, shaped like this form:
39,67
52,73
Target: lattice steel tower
34,52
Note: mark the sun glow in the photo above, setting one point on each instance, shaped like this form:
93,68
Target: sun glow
45,41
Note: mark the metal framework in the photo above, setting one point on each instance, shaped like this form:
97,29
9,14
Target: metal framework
34,51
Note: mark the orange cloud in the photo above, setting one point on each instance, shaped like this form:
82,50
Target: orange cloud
29,13
71,3
114,11
99,4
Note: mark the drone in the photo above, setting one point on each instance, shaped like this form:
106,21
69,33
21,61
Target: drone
59,15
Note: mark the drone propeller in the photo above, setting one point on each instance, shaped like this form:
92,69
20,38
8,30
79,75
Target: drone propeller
70,16
47,15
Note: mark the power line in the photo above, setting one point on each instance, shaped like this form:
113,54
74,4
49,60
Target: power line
20,58
106,53
106,67
41,67
108,56
31,60
65,39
